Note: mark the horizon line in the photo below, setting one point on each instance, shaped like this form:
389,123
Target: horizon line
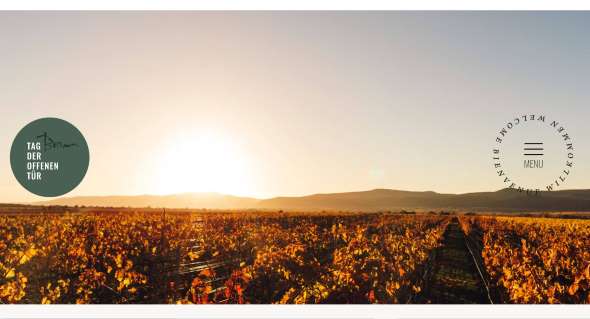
40,202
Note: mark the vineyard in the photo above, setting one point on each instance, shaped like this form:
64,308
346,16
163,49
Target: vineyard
534,260
276,257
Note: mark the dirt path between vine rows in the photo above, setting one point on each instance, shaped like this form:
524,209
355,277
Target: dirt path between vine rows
454,278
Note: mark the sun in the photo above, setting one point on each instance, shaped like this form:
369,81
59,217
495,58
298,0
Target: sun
201,163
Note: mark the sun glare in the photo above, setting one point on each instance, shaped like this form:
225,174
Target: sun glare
203,163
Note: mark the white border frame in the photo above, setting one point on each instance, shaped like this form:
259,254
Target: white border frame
295,311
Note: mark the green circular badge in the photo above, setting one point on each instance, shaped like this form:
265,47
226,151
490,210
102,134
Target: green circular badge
49,157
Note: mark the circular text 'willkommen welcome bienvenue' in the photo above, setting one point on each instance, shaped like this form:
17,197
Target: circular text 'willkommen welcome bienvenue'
533,153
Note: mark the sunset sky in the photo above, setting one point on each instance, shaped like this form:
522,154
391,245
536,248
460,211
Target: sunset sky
292,103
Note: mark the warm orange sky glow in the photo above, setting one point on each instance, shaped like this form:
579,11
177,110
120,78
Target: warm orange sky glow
201,163
267,104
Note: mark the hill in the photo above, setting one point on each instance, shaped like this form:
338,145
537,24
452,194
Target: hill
378,199
387,199
185,200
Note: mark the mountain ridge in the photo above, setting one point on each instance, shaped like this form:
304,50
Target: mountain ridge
371,200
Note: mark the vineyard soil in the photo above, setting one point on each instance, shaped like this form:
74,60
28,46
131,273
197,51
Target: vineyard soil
454,279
